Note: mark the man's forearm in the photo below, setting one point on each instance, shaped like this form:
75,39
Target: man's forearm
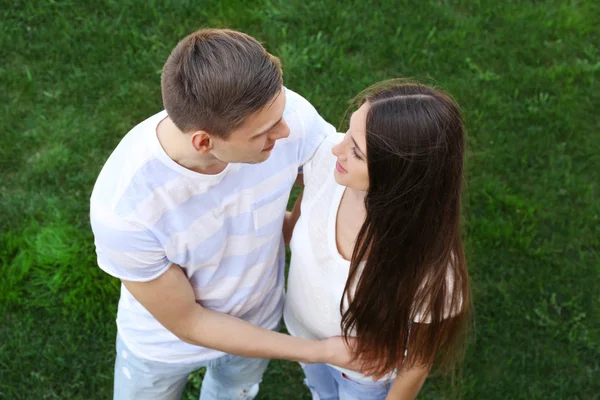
208,328
170,299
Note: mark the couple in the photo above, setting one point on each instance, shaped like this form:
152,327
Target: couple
188,213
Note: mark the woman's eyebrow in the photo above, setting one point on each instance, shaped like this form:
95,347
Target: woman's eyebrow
354,141
357,146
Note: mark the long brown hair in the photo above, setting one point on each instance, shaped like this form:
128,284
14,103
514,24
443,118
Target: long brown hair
415,266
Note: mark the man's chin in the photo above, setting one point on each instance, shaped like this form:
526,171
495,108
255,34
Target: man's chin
259,159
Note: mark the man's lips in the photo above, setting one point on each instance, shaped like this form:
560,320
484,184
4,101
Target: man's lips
270,147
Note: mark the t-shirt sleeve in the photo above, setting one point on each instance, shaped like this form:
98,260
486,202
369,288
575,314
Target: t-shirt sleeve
321,165
450,309
126,250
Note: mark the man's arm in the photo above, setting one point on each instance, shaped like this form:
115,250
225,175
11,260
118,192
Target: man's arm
408,383
170,299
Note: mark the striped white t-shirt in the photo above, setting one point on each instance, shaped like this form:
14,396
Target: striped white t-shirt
224,230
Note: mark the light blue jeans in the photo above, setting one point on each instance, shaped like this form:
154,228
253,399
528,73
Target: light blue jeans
227,378
327,383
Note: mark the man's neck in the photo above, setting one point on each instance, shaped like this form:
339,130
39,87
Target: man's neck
178,147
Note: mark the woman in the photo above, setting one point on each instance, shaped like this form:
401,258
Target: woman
377,254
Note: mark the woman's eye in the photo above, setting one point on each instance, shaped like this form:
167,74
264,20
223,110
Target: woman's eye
355,154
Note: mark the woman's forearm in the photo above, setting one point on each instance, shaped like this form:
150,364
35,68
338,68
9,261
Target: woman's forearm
407,384
291,217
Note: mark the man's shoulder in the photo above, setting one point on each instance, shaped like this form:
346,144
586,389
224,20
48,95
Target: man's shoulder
324,158
303,119
331,140
131,170
296,103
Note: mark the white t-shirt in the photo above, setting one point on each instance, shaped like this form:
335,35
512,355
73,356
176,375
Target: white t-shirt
224,230
318,273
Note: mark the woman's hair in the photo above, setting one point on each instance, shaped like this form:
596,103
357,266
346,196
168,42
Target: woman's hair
415,266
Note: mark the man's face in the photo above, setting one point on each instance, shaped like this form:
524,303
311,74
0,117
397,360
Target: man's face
253,141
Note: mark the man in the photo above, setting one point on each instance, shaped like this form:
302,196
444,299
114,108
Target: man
188,213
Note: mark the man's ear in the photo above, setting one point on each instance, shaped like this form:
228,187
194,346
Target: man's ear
202,142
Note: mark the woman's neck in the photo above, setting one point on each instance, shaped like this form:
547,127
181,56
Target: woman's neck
350,217
354,201
356,196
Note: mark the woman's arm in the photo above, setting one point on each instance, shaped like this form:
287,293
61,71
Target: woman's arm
291,217
408,383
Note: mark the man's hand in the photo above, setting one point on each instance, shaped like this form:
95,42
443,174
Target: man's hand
341,354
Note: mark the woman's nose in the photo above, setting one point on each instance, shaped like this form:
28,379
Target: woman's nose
336,150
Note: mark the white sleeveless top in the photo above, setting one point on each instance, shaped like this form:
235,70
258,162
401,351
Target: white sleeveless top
318,272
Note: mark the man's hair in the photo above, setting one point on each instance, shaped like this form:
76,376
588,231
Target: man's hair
215,78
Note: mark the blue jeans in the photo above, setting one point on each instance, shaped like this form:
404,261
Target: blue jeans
327,383
228,377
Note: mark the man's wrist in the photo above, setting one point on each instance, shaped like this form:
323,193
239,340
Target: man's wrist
321,352
316,352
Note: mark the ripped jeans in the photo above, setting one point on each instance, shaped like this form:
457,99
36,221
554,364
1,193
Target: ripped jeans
227,378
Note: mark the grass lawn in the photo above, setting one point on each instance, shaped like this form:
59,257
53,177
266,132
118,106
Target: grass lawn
74,78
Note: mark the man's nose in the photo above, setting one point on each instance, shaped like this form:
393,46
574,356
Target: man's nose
282,131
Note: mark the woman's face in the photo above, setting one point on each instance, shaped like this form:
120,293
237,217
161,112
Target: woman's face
351,166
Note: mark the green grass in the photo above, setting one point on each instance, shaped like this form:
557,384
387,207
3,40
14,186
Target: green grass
75,78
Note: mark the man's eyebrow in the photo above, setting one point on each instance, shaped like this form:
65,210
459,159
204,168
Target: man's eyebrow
270,127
